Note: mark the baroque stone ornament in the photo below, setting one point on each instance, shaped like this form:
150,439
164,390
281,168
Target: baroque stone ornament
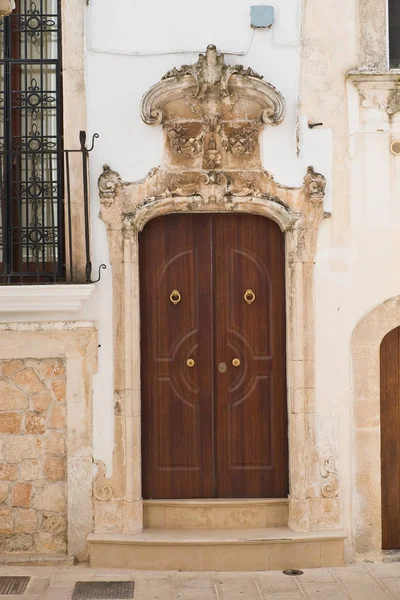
328,471
212,87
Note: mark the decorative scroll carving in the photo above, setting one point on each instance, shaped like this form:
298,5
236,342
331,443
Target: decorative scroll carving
316,184
109,182
102,489
210,86
328,471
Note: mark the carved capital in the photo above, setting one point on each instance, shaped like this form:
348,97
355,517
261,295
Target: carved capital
109,183
328,471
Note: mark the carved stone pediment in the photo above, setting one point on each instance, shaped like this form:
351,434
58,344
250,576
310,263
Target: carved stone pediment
212,113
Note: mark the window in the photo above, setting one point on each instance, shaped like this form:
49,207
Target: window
394,34
31,158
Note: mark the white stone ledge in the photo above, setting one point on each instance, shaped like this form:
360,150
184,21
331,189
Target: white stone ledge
44,298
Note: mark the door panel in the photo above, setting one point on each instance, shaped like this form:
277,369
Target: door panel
208,433
251,413
390,438
176,398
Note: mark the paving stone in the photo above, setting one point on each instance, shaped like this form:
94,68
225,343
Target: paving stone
367,591
237,588
327,591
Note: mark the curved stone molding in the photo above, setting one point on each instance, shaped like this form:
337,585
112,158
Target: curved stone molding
212,116
211,87
328,471
6,7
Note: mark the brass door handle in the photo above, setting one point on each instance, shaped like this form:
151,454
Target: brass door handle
249,296
236,362
190,362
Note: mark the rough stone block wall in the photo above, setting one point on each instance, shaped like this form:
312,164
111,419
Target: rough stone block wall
33,512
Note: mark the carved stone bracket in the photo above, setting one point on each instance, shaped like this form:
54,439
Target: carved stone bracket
328,471
377,90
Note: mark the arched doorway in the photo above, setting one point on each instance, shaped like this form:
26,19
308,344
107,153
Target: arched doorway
390,438
213,357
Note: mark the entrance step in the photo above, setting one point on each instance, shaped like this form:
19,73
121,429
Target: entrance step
215,514
217,550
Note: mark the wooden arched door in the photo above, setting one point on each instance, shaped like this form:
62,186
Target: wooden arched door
214,400
390,438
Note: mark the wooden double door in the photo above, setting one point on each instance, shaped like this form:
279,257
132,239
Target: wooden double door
214,408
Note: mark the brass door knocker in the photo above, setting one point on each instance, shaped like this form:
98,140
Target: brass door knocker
249,296
175,297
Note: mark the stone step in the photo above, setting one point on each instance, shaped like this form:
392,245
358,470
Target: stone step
216,514
217,550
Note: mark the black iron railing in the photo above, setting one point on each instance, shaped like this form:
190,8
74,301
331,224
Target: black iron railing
45,217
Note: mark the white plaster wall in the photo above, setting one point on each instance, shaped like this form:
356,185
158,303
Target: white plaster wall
116,80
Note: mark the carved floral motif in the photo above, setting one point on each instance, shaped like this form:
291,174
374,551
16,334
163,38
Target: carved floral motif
328,471
182,143
242,139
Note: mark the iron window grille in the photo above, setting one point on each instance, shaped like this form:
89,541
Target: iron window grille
36,223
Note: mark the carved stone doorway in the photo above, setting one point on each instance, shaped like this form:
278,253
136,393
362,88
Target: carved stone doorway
212,116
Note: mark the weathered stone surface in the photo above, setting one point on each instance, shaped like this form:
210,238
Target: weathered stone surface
54,469
10,422
6,7
28,381
6,520
42,400
51,369
8,472
30,470
55,444
34,423
52,523
49,543
57,418
21,495
26,520
51,498
4,491
16,543
58,388
9,367
11,398
18,448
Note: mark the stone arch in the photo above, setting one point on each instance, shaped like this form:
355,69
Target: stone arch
365,353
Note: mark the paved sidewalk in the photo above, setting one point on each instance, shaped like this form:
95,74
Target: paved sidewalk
366,581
